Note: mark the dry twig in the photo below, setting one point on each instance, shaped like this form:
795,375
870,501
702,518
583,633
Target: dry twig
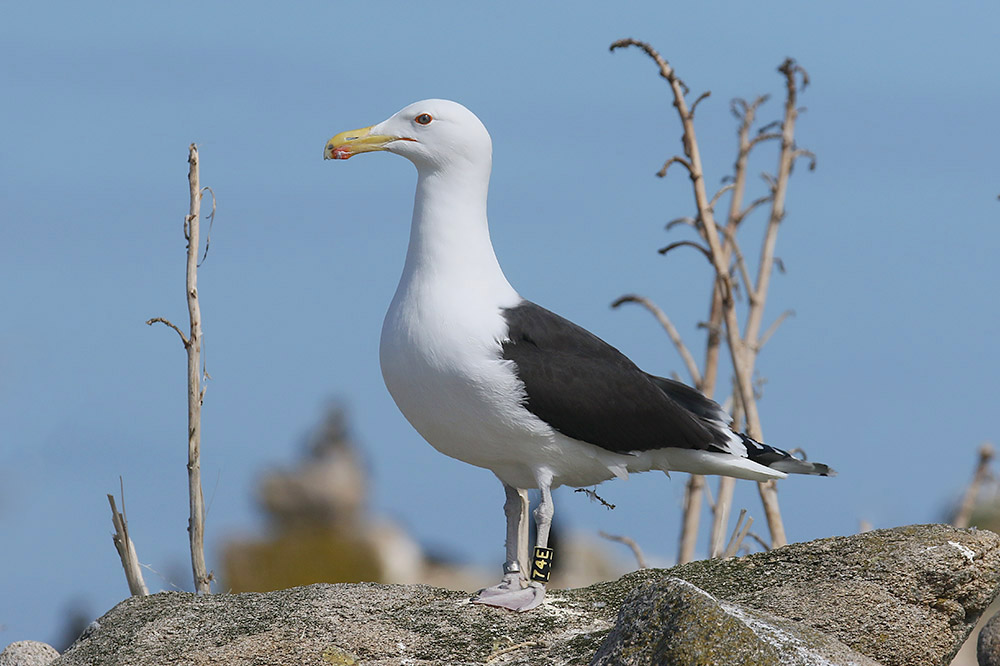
739,533
668,326
980,477
126,549
195,373
594,497
628,541
722,250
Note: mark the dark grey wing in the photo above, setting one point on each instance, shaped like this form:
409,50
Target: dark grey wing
719,421
588,390
692,400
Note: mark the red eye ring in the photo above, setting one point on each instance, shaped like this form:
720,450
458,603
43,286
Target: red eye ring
423,119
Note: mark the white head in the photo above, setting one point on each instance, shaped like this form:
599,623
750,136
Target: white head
434,134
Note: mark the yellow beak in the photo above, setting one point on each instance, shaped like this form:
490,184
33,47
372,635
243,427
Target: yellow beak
352,142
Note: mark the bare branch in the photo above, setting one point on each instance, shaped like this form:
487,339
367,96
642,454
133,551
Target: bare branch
628,541
696,486
196,523
662,173
763,544
727,484
779,187
716,254
741,109
125,547
708,494
738,535
594,497
720,519
695,104
668,326
167,322
768,127
790,68
211,221
719,247
666,71
690,221
772,184
802,152
762,137
738,107
741,264
722,190
677,244
756,203
773,327
768,491
979,477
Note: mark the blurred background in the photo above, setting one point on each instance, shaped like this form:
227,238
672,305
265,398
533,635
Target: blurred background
887,371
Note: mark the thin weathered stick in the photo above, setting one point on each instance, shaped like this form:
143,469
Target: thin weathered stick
720,516
786,160
594,497
710,230
676,159
170,324
732,248
628,541
724,503
739,533
196,525
773,328
686,243
756,537
691,519
689,221
668,326
744,144
196,392
721,247
721,292
979,478
126,549
757,297
722,190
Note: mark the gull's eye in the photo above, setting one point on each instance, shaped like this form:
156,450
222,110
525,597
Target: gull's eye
424,119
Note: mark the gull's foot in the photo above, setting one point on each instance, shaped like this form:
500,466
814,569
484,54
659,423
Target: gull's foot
513,592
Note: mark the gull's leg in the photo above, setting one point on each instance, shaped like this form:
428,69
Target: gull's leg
543,514
541,560
522,528
513,591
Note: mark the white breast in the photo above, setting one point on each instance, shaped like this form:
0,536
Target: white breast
440,357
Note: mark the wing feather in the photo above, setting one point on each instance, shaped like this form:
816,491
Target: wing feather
588,390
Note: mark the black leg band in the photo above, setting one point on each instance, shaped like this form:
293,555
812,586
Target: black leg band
541,565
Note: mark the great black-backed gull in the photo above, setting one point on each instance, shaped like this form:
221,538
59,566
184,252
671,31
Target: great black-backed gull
496,381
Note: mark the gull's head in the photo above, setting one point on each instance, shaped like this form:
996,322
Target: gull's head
434,133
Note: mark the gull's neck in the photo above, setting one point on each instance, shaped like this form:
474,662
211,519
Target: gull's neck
450,245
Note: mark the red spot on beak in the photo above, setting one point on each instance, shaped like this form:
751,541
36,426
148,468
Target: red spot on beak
342,152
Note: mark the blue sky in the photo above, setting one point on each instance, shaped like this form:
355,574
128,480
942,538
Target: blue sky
887,371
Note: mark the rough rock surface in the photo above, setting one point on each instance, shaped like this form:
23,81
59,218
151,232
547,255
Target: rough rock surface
988,643
905,596
673,622
28,653
901,596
